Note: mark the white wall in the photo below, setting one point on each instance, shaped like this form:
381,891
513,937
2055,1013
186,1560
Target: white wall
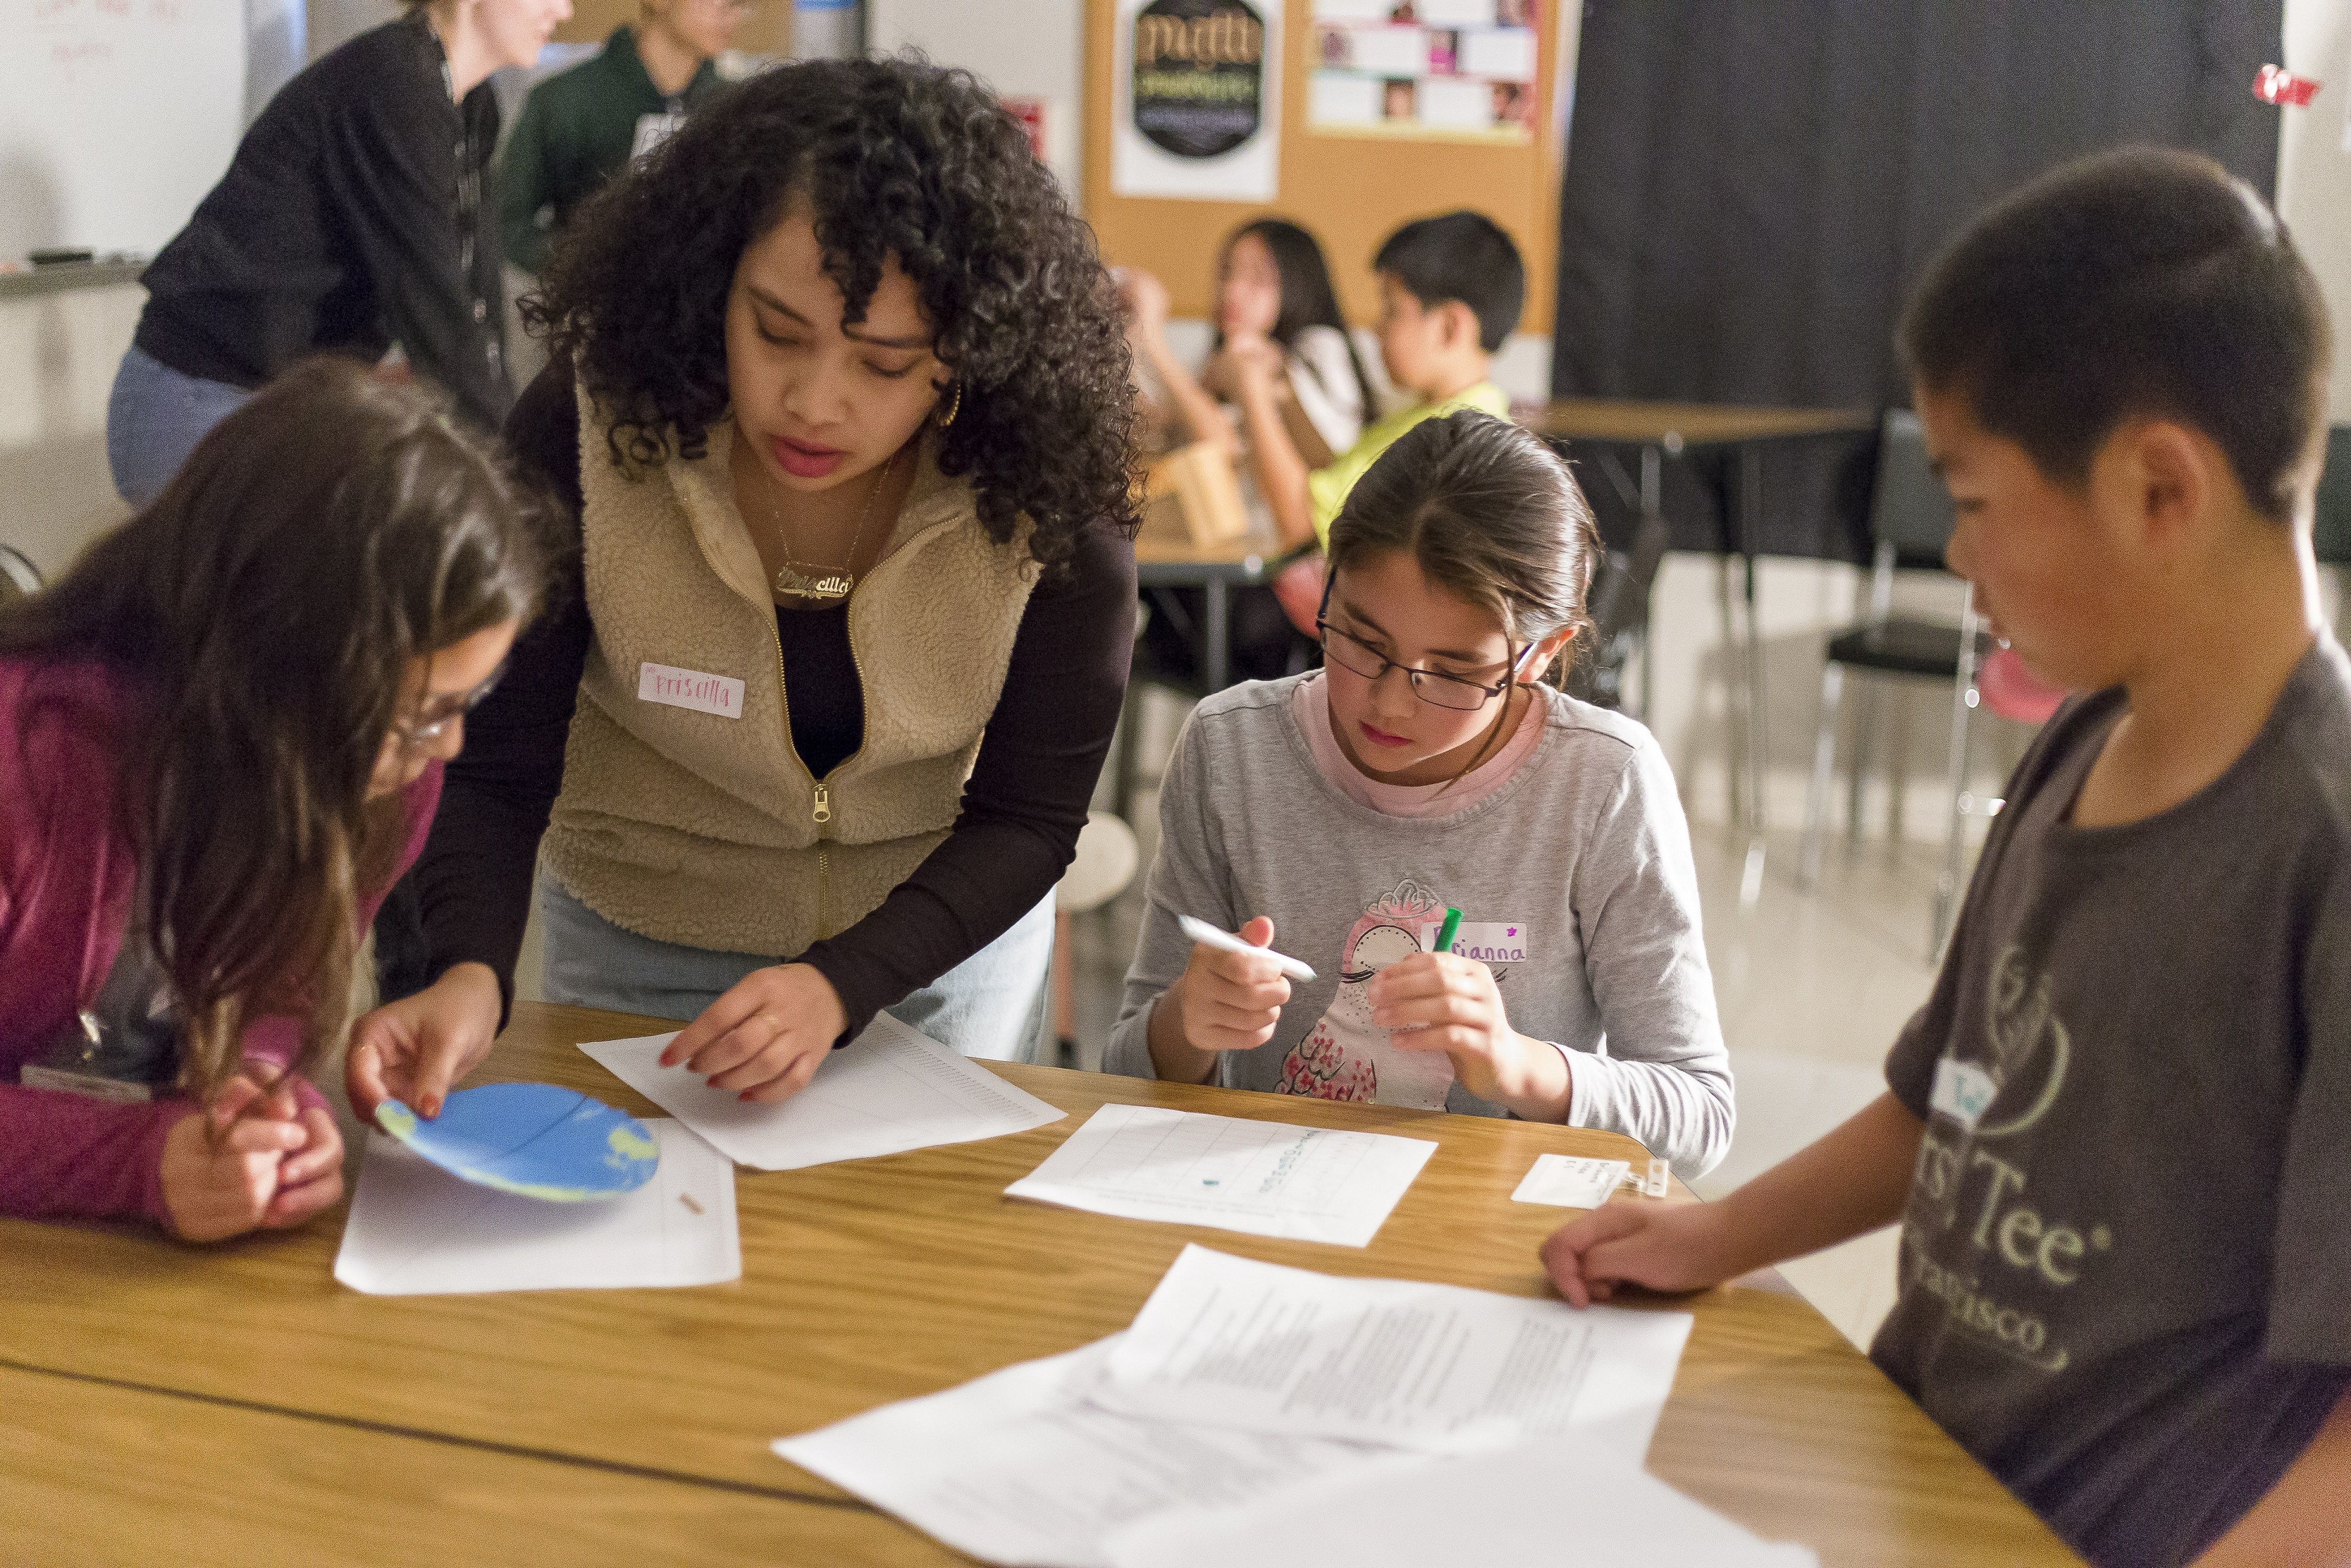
57,354
2314,168
1023,48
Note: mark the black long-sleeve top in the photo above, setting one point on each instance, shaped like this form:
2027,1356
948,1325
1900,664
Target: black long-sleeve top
1022,807
354,216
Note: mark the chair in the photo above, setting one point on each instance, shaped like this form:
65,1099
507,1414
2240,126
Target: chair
1910,518
19,579
1618,601
1106,861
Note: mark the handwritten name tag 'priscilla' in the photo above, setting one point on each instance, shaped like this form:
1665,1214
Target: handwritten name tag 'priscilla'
718,695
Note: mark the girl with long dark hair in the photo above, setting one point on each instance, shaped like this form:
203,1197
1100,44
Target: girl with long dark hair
839,403
1273,298
221,740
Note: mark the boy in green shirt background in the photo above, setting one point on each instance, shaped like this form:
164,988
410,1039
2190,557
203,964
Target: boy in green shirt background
581,127
1450,292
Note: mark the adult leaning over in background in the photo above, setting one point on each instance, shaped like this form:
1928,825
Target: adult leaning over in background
840,399
353,217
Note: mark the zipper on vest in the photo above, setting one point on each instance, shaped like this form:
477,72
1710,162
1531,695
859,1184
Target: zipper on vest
821,808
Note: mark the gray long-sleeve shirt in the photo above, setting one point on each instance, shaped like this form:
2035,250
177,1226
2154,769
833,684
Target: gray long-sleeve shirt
1574,879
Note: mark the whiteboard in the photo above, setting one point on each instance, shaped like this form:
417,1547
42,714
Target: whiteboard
116,117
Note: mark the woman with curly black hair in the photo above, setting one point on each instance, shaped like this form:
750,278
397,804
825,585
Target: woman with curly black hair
839,396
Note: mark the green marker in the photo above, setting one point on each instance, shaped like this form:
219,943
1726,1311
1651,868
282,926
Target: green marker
1445,933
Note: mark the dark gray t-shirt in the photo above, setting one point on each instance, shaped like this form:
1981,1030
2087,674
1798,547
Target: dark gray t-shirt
2126,1276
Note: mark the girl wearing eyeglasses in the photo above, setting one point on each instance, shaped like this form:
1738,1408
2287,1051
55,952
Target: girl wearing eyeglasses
1340,814
221,741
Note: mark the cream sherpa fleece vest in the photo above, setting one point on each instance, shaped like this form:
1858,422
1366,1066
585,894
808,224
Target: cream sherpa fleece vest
708,830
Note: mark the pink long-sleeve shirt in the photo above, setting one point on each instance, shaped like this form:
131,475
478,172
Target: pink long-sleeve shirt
68,875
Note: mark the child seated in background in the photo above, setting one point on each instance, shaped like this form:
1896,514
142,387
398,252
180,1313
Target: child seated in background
1274,305
1450,291
2118,1134
221,739
1426,765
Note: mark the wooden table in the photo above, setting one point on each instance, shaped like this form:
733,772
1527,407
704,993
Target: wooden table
1663,429
862,1283
1215,570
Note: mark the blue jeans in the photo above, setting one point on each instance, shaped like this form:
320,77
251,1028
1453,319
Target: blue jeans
992,1005
154,418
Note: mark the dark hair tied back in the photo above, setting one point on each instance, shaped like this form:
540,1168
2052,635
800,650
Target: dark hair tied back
894,157
1488,513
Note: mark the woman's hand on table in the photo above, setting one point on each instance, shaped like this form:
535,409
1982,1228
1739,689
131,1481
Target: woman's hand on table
1441,1001
238,1165
765,1038
412,1049
1660,1245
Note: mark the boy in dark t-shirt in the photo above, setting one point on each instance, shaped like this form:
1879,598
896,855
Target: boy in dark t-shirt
2118,1134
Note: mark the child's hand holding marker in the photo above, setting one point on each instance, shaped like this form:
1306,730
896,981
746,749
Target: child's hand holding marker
1229,998
1440,1001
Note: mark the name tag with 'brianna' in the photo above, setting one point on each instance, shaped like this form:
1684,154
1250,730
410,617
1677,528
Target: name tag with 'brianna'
719,694
1487,941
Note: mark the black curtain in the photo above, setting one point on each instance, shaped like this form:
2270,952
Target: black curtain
1753,185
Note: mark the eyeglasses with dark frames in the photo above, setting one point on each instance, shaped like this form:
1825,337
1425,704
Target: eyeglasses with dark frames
414,735
1459,693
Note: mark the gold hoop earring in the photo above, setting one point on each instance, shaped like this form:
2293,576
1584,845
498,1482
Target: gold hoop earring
953,408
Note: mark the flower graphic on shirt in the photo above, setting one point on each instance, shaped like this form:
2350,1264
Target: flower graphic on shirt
1319,1068
1341,1056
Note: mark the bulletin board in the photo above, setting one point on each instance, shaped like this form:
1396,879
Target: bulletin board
1351,191
768,30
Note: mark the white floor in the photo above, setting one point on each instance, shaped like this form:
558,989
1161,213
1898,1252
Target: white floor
1812,989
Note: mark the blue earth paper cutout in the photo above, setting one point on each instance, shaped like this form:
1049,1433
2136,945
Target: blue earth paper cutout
531,1138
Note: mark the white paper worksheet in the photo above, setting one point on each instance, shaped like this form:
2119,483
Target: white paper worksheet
1018,1467
888,1090
1567,1499
417,1230
1266,1178
1570,1181
1233,1342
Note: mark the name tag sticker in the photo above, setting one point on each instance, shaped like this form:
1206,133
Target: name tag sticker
652,130
1963,1092
1487,941
719,694
33,1075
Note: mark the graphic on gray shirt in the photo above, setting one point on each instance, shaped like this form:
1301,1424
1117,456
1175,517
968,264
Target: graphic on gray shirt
1574,880
2125,1262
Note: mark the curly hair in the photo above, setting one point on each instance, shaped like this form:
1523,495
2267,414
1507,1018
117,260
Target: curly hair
894,158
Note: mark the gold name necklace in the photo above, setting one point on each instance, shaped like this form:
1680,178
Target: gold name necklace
816,584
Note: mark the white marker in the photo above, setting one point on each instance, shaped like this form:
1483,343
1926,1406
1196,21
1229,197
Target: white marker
1201,931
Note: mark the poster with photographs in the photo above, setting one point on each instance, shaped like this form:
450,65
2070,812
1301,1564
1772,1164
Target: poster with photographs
1443,69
